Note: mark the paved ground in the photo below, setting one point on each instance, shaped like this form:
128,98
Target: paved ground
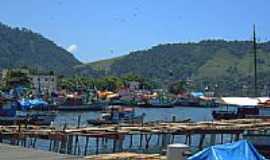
9,152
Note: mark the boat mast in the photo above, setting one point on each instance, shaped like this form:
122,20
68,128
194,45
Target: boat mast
255,62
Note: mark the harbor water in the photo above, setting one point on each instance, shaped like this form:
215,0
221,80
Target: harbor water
156,143
151,114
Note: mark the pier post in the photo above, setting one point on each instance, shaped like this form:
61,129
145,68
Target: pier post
34,143
114,145
147,140
70,144
237,136
24,141
63,145
189,139
213,139
77,146
1,138
86,145
172,138
165,140
158,139
50,146
231,138
55,145
121,142
97,145
79,121
131,141
221,138
201,142
141,140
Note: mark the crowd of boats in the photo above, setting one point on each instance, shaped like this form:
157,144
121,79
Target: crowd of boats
115,110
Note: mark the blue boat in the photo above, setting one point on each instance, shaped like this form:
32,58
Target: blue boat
9,115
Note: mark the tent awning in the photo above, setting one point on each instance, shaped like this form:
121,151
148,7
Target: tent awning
241,150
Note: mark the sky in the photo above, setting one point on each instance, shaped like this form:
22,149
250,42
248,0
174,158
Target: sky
99,29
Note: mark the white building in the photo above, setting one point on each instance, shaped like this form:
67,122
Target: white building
133,85
43,84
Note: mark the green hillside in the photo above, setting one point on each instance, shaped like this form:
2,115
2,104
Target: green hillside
228,63
104,65
21,47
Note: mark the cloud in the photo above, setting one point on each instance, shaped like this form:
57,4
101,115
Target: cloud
72,48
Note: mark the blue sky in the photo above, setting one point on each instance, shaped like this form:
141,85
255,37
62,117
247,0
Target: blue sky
100,29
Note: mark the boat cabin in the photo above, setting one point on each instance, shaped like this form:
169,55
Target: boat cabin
236,113
7,108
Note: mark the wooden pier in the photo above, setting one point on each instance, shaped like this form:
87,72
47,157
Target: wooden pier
126,155
69,140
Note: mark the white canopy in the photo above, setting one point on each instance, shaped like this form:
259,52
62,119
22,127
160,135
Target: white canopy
244,101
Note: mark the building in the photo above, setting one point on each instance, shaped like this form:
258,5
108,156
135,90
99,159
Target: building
133,85
43,84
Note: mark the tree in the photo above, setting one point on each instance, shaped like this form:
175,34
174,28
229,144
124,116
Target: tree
16,78
178,87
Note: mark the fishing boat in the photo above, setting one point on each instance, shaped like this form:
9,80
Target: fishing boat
9,115
96,106
116,115
77,103
36,118
35,104
247,106
157,103
240,112
7,111
196,102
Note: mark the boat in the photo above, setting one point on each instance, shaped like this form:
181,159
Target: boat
96,106
204,102
36,118
240,112
7,111
9,115
116,115
247,107
265,104
157,103
78,103
124,102
35,104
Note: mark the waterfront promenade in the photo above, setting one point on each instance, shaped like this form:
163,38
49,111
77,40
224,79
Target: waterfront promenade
10,152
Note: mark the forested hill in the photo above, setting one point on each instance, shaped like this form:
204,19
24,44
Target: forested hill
21,47
209,60
226,63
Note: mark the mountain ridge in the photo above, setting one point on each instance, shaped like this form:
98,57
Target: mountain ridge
20,47
207,60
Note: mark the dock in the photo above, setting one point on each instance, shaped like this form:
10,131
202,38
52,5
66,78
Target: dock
9,152
80,140
126,155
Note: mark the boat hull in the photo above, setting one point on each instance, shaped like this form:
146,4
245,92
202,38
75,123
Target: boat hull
85,107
